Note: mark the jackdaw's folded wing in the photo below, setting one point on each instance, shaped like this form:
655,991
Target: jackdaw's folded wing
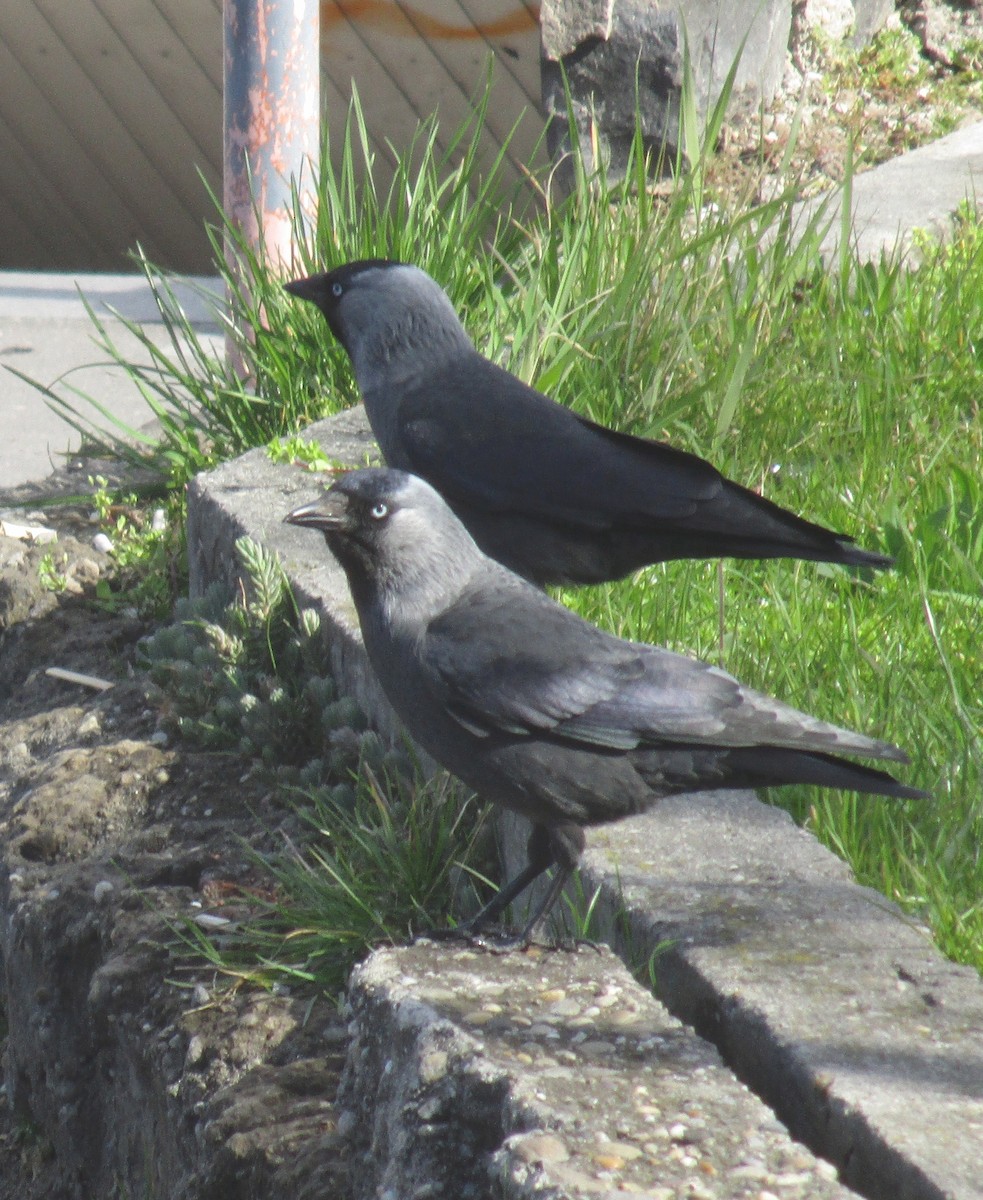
516,663
508,448
513,662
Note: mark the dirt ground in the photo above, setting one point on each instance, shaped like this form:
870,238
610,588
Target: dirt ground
110,834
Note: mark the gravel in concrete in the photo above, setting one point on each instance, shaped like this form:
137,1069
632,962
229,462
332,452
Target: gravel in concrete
547,1074
821,994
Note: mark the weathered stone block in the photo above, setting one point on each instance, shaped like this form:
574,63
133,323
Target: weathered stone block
637,68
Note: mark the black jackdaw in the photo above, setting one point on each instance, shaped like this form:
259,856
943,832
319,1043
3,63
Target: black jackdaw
535,708
546,492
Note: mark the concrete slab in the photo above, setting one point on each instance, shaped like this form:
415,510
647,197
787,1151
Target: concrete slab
818,993
46,334
548,1075
822,995
918,190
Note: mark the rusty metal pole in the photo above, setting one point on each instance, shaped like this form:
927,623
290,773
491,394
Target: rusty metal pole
271,120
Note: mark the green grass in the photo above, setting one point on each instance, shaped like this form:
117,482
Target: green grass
861,409
851,396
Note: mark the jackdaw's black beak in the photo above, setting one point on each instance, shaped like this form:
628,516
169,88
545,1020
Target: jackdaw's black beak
305,289
328,513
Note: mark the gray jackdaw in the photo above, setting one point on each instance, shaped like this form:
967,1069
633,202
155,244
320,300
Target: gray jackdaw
540,711
551,495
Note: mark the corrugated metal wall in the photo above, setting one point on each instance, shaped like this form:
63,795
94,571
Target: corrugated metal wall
109,109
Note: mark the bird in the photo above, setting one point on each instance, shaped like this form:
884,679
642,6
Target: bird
540,711
553,496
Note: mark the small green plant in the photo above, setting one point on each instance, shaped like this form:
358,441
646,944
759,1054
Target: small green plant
394,862
300,452
969,56
50,578
147,548
254,676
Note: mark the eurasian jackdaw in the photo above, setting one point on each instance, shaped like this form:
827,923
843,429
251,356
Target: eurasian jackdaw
535,708
546,492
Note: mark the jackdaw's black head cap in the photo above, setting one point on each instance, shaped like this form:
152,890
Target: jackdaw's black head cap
356,499
384,313
329,288
388,527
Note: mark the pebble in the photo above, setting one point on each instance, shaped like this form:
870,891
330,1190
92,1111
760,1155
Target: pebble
596,1048
211,921
623,1150
19,753
578,1181
612,1156
429,1108
552,995
750,1171
480,1016
608,1162
195,1052
433,1066
607,998
541,1147
541,1030
792,1179
87,568
89,725
102,543
102,891
565,1008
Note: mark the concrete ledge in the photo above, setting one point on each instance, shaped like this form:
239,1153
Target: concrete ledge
820,994
546,1074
